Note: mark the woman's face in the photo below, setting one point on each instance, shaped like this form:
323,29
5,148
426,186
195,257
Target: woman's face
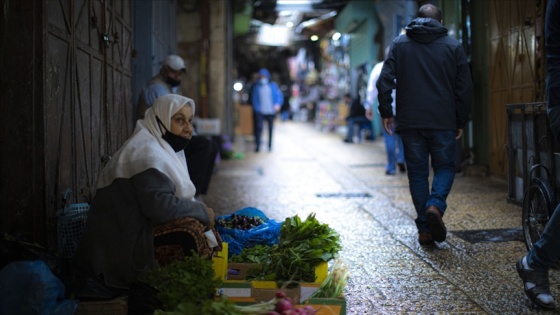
181,122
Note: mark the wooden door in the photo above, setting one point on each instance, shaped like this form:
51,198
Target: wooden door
516,74
88,104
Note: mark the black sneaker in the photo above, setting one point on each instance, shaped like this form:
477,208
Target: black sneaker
402,167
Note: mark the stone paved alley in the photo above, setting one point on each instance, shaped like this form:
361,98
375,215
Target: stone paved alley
314,171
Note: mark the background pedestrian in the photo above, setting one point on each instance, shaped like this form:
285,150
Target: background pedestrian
393,143
267,100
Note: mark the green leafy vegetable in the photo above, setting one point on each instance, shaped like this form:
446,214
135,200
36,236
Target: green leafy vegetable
190,281
256,254
303,245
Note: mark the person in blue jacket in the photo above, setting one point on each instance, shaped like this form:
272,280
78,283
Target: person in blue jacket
267,100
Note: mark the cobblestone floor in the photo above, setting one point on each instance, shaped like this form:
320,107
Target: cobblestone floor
310,170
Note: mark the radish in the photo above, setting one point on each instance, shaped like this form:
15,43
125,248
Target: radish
283,305
281,294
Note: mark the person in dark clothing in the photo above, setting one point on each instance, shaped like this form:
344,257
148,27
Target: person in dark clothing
533,268
431,76
201,154
143,209
286,108
356,117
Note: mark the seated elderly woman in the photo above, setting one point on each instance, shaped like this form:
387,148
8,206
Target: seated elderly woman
143,209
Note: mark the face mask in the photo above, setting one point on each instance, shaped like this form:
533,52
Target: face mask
178,143
263,81
172,82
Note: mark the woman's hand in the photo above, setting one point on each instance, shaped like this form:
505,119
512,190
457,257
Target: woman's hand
211,217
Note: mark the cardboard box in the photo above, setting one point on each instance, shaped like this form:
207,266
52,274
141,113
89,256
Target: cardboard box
238,271
117,306
324,306
306,289
343,111
321,272
220,262
242,301
326,309
236,289
208,126
244,124
263,291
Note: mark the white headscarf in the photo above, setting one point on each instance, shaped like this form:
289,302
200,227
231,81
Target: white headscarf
147,149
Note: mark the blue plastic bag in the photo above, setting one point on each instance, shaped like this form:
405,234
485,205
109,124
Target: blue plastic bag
30,288
267,233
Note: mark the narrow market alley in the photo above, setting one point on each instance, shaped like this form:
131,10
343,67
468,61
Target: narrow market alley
312,171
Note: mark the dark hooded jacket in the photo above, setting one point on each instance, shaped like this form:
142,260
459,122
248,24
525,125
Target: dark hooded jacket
430,73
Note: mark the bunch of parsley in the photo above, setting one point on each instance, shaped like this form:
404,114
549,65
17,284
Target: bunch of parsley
186,282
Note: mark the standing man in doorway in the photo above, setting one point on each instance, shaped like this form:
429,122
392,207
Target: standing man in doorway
165,82
200,152
431,76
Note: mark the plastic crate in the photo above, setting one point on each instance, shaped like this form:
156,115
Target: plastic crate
70,224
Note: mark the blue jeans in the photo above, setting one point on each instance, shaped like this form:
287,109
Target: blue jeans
546,251
363,123
285,115
394,149
421,145
258,120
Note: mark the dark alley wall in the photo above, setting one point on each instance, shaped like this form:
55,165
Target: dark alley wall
22,174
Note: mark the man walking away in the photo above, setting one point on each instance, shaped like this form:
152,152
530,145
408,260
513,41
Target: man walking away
431,76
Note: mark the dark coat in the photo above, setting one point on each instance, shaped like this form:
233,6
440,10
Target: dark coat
117,245
430,73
